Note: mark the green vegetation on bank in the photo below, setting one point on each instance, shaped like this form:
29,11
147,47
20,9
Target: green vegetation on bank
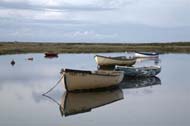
33,47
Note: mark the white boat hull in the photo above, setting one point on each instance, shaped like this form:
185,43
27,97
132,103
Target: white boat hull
108,61
85,81
145,56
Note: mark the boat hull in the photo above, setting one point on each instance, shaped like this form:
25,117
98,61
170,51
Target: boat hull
110,61
139,71
87,80
146,55
51,55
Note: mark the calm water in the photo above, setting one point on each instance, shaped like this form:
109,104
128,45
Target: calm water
142,102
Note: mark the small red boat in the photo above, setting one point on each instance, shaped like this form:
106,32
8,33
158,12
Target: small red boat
51,54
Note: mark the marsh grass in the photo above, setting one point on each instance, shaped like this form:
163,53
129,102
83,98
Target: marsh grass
31,47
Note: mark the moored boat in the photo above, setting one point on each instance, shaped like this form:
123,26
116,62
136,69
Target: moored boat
79,102
111,61
51,54
86,80
146,54
139,71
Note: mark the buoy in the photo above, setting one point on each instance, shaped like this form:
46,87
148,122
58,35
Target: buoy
12,62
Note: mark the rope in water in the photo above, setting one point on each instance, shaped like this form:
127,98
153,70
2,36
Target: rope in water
54,85
52,99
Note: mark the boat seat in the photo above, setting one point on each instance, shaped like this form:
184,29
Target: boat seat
76,71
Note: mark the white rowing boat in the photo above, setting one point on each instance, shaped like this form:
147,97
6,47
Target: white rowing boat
110,61
86,80
146,54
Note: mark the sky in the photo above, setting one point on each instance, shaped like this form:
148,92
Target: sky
130,21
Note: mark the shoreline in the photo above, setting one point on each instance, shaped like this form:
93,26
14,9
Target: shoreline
37,47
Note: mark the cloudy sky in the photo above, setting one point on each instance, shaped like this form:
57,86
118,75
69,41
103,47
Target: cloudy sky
95,20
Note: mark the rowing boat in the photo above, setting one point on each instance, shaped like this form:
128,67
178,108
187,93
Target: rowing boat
111,61
51,54
146,54
85,80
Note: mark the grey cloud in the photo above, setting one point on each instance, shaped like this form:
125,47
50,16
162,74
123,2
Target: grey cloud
66,7
117,22
18,5
4,22
84,32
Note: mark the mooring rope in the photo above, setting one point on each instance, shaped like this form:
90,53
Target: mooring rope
52,99
54,85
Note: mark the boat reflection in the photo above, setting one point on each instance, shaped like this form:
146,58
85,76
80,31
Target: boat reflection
156,60
99,67
80,102
139,82
72,103
50,57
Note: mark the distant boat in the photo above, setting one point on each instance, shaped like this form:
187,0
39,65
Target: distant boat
30,58
146,54
87,80
79,102
139,82
111,61
139,71
51,54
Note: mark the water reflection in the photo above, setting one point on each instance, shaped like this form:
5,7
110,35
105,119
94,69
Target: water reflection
105,67
50,57
75,102
21,87
80,102
72,103
155,60
139,82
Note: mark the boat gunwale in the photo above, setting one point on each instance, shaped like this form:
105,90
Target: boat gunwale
117,58
148,53
103,73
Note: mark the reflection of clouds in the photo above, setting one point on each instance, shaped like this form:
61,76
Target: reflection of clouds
31,82
139,92
29,72
147,91
37,72
19,96
38,97
148,61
